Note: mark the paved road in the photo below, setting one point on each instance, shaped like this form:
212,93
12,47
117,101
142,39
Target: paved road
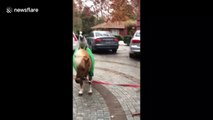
110,102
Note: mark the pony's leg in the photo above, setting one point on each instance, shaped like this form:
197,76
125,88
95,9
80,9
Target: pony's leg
81,88
90,85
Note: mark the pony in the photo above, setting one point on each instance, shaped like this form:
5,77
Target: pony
83,61
82,65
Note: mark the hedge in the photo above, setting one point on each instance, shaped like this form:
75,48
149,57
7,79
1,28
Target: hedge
120,38
127,39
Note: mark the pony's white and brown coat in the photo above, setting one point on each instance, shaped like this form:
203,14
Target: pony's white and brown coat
84,64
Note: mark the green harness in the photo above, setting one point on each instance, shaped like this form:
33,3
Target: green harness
91,71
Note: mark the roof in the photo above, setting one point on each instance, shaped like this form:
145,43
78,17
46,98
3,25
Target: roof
118,25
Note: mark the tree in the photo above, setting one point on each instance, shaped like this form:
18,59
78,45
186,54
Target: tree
122,10
101,8
88,20
100,20
77,22
136,5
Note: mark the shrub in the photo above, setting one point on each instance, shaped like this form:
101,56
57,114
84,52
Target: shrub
120,38
127,39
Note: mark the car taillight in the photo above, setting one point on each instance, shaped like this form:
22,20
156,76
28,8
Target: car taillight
135,41
116,39
98,40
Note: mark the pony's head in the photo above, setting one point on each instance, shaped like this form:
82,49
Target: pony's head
83,63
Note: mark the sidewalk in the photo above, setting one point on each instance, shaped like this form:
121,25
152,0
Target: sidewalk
89,107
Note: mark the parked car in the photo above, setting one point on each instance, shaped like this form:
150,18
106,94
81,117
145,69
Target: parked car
75,41
135,44
102,40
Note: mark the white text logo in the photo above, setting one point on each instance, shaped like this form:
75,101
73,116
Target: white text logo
28,9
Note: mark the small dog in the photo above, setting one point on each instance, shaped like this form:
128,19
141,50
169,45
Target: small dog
82,42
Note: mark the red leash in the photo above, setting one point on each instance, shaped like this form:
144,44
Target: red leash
135,114
125,85
107,83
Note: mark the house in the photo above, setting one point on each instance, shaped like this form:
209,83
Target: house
117,28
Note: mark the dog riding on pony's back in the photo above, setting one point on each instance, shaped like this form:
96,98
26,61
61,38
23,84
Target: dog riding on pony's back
83,63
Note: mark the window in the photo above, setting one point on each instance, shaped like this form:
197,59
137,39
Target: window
137,34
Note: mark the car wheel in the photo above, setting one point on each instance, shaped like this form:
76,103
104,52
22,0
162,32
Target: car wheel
131,55
114,50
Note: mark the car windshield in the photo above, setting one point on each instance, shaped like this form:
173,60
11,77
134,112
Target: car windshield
101,34
137,34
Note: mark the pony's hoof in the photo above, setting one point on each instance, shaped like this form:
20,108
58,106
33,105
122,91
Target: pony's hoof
90,92
80,93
